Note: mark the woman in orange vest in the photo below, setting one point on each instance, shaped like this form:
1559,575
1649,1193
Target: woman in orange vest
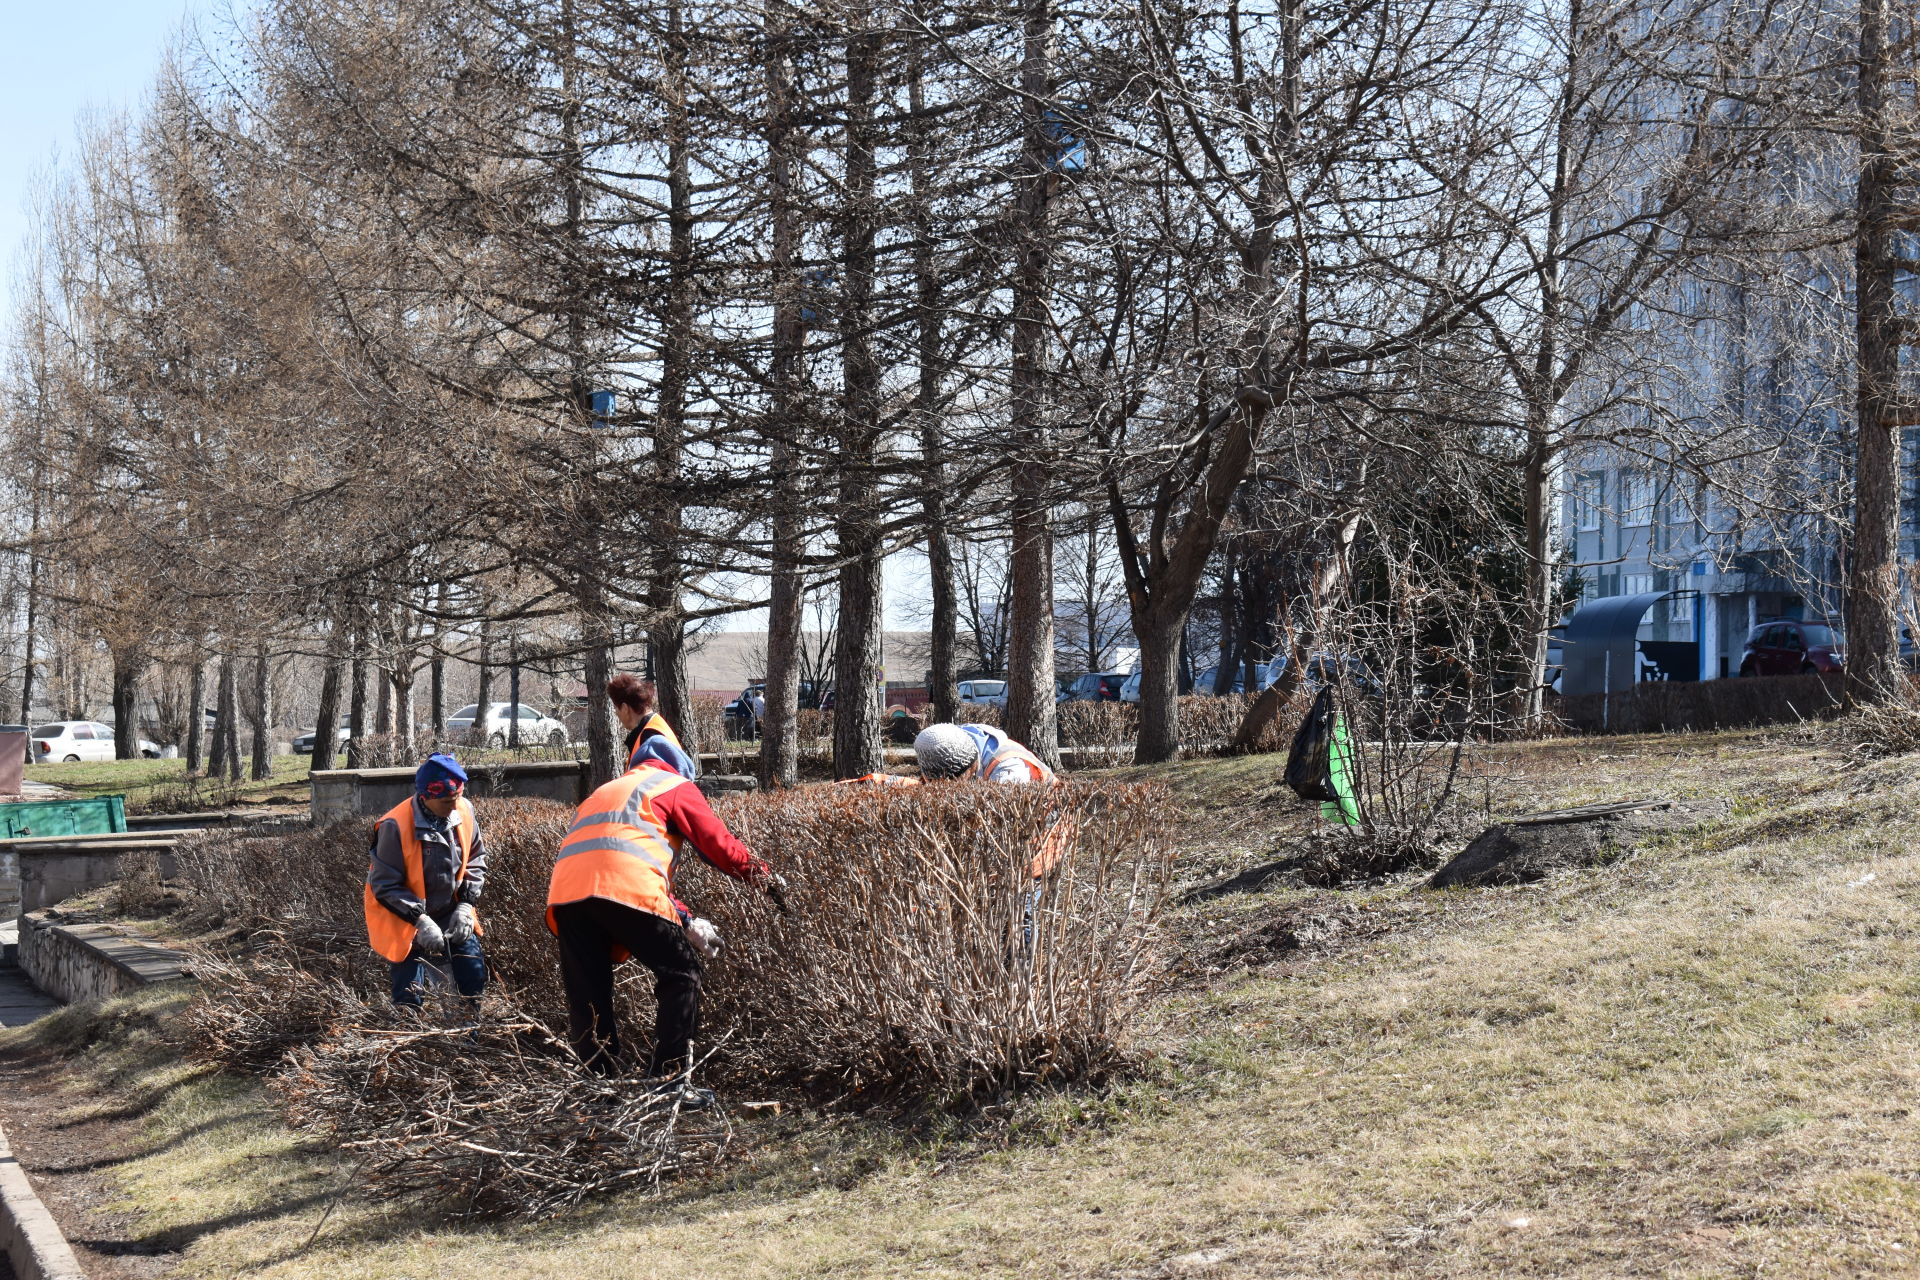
611,898
633,705
426,871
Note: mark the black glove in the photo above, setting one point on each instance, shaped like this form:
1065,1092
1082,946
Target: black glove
777,891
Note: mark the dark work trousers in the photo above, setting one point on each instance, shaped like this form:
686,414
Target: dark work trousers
465,959
588,931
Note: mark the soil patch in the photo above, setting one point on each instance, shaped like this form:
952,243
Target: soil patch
71,1162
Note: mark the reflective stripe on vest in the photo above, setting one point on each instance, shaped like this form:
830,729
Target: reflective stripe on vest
387,933
1014,751
619,848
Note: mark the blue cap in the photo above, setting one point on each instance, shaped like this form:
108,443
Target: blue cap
441,775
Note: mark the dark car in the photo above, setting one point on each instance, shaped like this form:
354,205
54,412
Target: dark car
1097,686
1791,646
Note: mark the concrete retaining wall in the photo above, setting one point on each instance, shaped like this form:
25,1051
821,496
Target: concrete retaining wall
368,793
49,871
91,961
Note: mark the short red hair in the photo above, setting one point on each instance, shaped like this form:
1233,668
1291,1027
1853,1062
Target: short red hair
631,691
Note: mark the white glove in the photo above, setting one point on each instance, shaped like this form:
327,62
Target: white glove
427,936
704,937
460,928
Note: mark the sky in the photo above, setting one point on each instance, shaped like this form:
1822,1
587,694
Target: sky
59,58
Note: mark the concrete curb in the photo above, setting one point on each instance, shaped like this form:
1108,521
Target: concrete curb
28,1232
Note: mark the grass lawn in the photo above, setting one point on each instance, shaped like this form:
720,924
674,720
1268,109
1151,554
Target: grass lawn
163,785
1698,1061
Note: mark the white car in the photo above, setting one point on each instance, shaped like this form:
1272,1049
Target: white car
984,693
70,741
535,729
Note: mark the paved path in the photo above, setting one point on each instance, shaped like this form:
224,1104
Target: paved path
20,1001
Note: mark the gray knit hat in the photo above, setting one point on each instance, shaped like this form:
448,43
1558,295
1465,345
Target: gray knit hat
945,751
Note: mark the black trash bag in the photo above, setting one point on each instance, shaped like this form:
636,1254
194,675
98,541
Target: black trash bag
1310,760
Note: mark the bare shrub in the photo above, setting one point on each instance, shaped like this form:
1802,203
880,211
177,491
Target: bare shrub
1106,727
813,728
907,964
1876,732
1208,723
980,713
706,726
906,967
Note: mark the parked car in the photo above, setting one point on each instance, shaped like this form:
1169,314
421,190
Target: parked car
71,741
535,728
1097,686
303,745
1265,672
1793,646
983,693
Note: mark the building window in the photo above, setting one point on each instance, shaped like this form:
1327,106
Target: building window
1636,499
1589,495
1635,584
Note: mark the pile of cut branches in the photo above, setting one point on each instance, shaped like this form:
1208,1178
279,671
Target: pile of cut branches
496,1121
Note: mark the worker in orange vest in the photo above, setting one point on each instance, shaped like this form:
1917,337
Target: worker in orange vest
633,705
425,872
976,751
611,898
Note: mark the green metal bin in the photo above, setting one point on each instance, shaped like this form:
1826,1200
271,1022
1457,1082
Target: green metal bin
95,816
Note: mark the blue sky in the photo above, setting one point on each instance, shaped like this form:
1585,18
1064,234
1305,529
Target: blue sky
57,59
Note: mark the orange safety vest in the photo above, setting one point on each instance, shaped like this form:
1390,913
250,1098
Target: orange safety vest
619,848
387,933
656,723
1014,751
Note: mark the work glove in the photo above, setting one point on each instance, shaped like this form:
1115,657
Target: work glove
427,936
704,937
460,928
777,891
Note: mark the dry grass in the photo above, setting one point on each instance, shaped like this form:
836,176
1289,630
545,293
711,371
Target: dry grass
1697,1062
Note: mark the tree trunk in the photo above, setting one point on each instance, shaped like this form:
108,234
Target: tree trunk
1162,581
667,624
326,721
1031,717
598,670
1542,583
858,700
230,717
670,680
929,356
1873,673
779,746
33,622
513,697
476,732
437,698
357,708
1327,573
262,716
196,715
403,721
383,701
223,712
1159,688
127,665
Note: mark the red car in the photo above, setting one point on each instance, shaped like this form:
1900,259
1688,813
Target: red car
1788,647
